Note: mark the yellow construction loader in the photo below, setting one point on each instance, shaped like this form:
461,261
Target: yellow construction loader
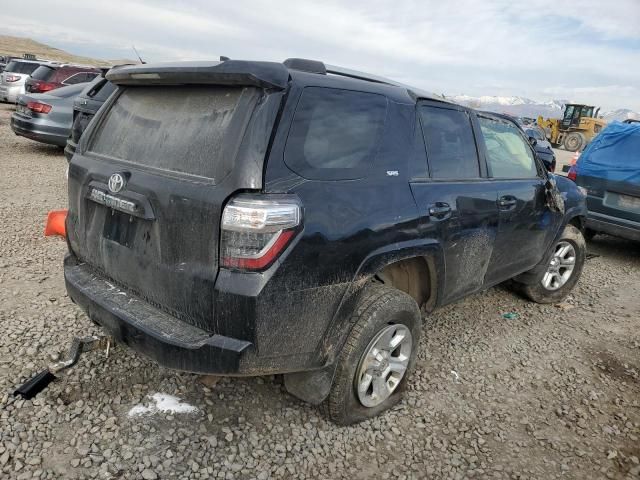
578,125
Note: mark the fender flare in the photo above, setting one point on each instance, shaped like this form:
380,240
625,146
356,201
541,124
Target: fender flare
530,277
314,386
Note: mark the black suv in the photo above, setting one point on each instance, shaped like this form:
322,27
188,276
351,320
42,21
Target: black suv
85,107
250,218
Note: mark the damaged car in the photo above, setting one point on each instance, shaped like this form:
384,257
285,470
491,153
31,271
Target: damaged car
251,218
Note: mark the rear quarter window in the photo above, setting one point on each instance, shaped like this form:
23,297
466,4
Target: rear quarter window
335,134
43,73
102,92
21,67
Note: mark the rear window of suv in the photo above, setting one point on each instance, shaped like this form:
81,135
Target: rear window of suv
335,133
172,128
21,67
43,73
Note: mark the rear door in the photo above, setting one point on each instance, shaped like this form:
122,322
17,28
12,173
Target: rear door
612,201
148,184
526,223
457,203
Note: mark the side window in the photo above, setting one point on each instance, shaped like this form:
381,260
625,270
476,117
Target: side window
335,133
75,78
508,153
451,146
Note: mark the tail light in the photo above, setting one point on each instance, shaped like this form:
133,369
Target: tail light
256,229
11,78
39,87
573,173
38,107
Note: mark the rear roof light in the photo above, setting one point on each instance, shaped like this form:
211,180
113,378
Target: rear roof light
38,107
256,229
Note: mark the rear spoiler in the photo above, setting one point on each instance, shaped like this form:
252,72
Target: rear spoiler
229,72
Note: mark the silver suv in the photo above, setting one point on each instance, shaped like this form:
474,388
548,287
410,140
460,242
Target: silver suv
14,76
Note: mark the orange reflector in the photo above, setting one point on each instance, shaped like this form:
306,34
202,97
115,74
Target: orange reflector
574,159
56,223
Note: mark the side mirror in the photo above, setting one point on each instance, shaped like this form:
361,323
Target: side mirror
533,141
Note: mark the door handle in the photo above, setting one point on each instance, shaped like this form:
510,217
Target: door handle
440,210
507,202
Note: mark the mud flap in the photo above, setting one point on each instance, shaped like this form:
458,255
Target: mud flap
312,387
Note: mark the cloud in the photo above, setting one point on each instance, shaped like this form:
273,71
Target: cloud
463,46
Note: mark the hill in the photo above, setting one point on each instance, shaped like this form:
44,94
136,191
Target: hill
18,45
525,107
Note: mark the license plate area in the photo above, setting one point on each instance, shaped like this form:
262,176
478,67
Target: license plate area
23,110
121,228
623,202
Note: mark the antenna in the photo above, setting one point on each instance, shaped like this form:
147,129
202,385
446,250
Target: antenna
138,55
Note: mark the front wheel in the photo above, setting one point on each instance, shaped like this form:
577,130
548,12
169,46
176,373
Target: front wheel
574,141
563,270
379,354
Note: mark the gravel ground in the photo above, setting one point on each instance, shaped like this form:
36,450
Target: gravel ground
553,393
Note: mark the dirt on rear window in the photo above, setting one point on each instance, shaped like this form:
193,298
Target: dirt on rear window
172,128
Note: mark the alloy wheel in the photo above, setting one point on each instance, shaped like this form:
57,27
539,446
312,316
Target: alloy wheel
383,365
560,267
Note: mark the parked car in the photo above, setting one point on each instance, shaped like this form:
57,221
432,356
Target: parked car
85,107
542,147
251,218
539,143
13,78
609,170
55,75
46,117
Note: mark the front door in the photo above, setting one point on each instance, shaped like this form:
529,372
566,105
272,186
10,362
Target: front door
526,223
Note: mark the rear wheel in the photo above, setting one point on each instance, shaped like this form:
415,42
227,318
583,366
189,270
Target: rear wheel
574,141
378,356
563,270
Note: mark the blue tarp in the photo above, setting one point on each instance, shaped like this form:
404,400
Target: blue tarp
614,154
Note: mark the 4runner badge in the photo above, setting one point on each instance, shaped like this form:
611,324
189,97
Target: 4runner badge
116,182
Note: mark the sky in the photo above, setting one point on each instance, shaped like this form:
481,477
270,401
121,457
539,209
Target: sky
586,51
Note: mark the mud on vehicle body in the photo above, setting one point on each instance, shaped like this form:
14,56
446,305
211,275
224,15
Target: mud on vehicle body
248,218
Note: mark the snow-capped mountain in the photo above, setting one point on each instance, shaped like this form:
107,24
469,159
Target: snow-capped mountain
520,106
620,115
525,107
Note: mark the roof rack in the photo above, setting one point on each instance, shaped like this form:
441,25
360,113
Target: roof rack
347,72
315,66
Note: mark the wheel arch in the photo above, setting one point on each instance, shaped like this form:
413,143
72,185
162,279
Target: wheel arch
395,264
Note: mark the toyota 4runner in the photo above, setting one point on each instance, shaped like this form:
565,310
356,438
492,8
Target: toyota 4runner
251,218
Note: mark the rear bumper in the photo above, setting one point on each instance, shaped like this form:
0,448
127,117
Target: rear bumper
69,149
36,130
613,226
10,93
155,334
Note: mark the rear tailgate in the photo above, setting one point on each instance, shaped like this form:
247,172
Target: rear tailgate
179,151
612,198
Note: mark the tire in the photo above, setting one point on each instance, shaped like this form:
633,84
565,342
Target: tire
574,142
546,293
381,310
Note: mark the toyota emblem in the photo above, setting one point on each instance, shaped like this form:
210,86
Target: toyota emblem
116,182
